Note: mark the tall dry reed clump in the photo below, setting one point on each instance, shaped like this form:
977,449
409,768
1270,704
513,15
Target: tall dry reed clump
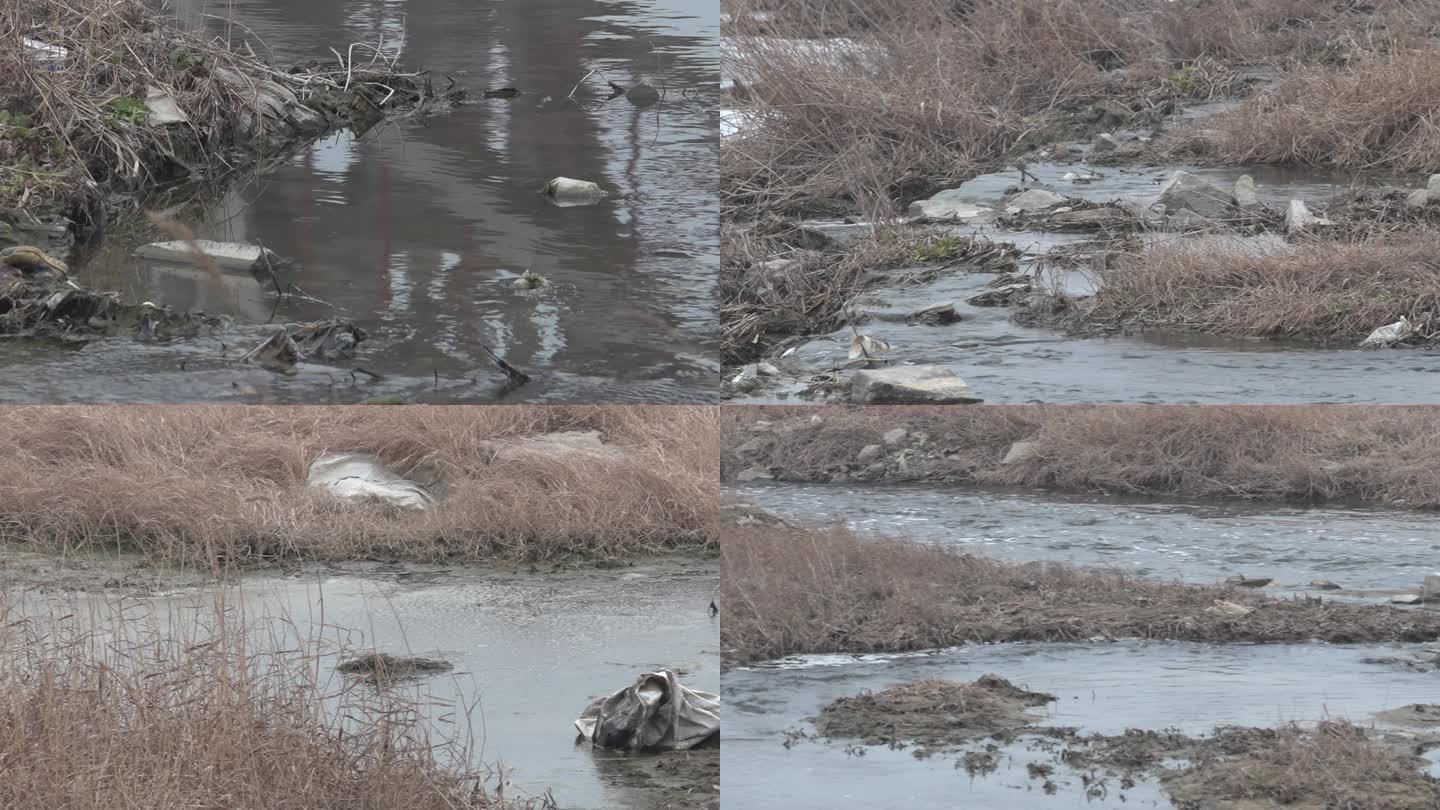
1300,453
228,484
74,79
937,88
790,590
1381,111
1321,289
125,717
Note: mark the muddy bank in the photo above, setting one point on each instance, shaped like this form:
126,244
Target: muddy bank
1371,456
127,102
788,591
675,780
933,714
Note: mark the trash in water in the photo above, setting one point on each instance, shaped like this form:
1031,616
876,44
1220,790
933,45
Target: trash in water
657,713
1389,335
50,308
566,191
364,477
530,281
162,106
51,55
226,255
328,340
30,260
864,347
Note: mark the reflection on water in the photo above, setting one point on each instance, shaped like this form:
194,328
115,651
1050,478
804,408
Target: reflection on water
416,230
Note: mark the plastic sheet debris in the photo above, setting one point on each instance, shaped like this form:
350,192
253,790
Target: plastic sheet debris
657,713
162,106
226,255
52,56
364,477
1389,335
567,191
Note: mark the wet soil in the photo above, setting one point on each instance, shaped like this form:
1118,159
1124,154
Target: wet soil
676,780
931,713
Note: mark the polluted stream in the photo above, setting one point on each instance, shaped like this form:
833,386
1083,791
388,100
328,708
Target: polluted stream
528,650
1005,361
417,230
1101,687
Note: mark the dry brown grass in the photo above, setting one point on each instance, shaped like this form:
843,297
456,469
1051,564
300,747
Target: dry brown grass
1322,289
67,133
1381,112
1306,453
126,717
789,591
1337,766
227,484
931,93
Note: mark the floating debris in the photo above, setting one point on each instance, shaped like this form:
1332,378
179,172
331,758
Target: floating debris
530,281
227,255
502,92
566,191
379,667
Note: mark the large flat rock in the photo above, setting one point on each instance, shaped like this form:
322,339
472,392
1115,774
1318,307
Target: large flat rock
907,385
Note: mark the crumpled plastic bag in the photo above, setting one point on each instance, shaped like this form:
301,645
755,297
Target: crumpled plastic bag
361,476
655,714
1389,335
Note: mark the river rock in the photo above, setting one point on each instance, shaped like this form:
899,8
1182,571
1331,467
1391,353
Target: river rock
1298,217
947,205
1005,290
754,474
942,312
869,453
1104,142
1185,191
1417,198
1036,199
569,191
1431,591
899,385
894,437
1249,582
1324,585
1432,187
1018,452
1406,599
1244,193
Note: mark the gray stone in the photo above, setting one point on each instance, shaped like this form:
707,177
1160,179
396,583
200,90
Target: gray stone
931,385
1431,591
894,437
1432,187
1185,191
1090,219
1406,599
1298,217
1417,198
1244,193
941,312
754,474
1104,142
1324,585
1036,199
1005,290
752,446
1187,220
948,205
869,453
1249,582
1018,452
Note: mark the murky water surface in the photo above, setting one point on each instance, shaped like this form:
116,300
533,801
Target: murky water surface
1102,688
416,230
1359,549
529,651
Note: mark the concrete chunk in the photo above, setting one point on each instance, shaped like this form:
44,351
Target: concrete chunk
226,255
931,385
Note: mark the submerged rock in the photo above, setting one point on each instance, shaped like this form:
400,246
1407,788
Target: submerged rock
1185,191
1249,582
939,313
947,205
1036,199
931,385
1005,290
1324,585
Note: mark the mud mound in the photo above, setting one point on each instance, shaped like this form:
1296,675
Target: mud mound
932,713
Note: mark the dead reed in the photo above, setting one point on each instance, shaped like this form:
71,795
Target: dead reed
787,591
1320,289
1300,453
937,89
128,716
207,485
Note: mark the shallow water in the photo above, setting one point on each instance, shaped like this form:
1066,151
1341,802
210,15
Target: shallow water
416,230
1101,688
529,650
1359,549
